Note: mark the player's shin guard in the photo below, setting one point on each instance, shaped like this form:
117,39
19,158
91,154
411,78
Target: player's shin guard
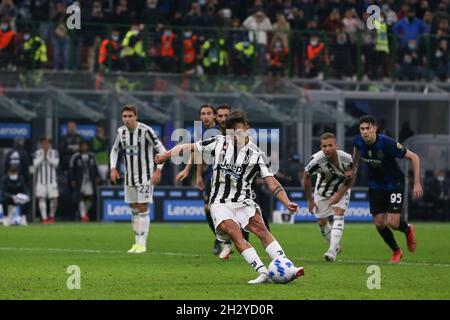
274,250
388,237
43,208
135,223
144,225
336,232
251,256
326,232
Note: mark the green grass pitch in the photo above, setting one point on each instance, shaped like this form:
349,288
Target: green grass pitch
179,264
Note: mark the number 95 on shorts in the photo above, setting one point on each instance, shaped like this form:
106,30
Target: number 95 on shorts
139,194
382,201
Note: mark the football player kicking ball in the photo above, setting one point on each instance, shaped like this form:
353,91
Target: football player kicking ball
332,191
386,182
236,162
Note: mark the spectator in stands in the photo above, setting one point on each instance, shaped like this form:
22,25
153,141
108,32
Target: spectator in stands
428,20
122,14
7,45
84,179
440,60
341,56
298,39
289,11
133,53
60,38
316,58
333,23
442,12
390,15
194,16
352,24
410,28
405,132
32,52
100,147
93,32
410,62
281,30
278,59
151,15
8,10
18,157
108,57
14,194
70,144
258,24
258,5
273,8
40,11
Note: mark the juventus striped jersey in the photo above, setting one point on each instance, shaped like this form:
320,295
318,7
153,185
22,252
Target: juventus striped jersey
329,178
233,170
45,165
137,147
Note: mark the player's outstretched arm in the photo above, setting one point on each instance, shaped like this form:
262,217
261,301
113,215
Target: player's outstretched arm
276,188
183,174
179,149
415,160
308,191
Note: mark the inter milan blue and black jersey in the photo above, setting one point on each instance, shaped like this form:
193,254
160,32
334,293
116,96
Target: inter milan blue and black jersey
384,172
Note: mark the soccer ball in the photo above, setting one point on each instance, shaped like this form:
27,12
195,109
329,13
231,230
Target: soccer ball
282,270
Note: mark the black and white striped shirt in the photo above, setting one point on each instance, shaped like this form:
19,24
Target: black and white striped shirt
45,166
233,170
329,178
137,147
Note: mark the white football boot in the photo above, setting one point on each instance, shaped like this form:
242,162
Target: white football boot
262,278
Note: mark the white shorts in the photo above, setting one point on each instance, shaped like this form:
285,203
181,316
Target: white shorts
47,191
325,209
139,194
238,212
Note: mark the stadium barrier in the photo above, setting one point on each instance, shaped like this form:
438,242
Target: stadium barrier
184,204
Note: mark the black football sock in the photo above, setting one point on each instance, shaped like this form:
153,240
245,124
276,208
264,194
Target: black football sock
403,227
388,237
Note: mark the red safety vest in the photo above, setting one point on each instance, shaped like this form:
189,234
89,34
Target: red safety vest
167,45
189,50
313,52
6,38
103,54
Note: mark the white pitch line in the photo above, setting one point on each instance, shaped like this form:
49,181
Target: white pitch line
350,261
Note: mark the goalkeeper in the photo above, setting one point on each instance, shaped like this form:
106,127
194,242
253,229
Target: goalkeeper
14,194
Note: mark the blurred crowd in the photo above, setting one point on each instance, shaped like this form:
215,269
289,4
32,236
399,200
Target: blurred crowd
304,38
